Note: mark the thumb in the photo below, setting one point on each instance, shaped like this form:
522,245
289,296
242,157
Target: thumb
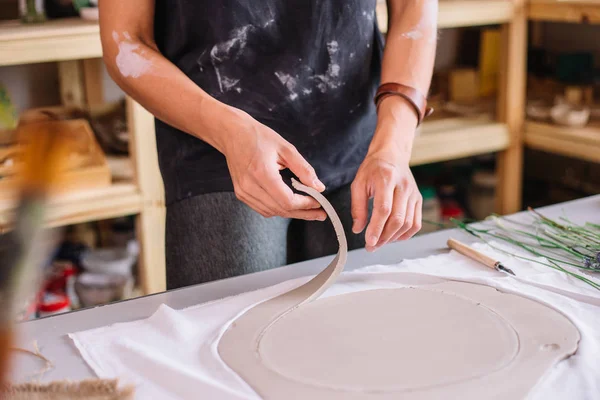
301,168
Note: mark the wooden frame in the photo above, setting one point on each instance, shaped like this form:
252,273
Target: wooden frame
511,109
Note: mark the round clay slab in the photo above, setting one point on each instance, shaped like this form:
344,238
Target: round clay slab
450,340
389,339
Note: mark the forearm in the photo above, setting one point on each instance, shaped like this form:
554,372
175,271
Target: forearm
158,85
410,44
408,59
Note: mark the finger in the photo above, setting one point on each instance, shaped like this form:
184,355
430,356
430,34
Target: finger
263,197
283,195
409,215
382,207
398,217
417,221
360,205
308,215
301,168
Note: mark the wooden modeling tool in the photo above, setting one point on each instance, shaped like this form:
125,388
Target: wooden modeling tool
478,256
28,245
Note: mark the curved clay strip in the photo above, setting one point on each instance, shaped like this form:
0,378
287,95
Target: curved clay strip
258,319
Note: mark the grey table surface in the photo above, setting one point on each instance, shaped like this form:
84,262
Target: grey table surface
51,333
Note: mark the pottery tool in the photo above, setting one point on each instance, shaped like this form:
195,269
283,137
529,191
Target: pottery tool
478,256
28,245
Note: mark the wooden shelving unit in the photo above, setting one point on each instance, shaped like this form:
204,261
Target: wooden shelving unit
75,45
114,201
454,138
582,143
59,40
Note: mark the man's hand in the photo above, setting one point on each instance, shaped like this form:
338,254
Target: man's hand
255,155
385,176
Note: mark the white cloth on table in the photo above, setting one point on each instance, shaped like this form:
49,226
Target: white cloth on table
173,354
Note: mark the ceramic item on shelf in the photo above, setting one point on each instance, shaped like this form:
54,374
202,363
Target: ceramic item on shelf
567,115
114,261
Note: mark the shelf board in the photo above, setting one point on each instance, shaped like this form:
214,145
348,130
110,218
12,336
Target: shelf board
461,13
74,39
582,143
57,40
117,200
573,11
454,138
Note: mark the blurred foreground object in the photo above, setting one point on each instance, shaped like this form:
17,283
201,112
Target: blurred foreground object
44,150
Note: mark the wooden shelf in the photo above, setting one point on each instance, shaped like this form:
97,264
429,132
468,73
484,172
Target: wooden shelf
58,40
74,39
573,11
460,13
453,138
582,143
117,200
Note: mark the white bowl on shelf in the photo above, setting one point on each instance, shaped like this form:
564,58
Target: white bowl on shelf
112,261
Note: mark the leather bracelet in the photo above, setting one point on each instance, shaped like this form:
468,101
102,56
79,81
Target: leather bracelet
410,94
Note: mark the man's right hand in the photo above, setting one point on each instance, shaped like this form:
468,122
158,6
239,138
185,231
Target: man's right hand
255,155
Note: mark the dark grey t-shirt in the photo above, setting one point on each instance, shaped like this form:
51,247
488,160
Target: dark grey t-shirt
308,69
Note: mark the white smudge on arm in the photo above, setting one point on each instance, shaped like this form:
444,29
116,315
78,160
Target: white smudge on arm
131,60
415,19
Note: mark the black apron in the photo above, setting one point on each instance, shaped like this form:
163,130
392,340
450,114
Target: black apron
308,69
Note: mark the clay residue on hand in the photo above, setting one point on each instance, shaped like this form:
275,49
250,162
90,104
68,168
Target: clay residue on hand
131,60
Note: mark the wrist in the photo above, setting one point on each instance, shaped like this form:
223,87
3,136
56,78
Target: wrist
396,110
396,126
221,124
